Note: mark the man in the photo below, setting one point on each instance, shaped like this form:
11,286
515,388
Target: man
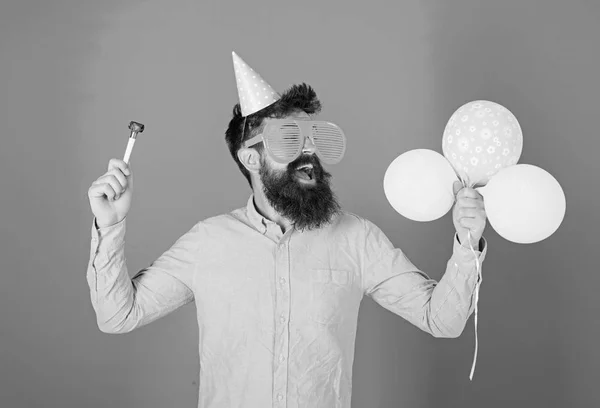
277,283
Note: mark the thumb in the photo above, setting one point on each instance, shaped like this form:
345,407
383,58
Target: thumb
456,187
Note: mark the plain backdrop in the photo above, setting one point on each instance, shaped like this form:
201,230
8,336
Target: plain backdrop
74,73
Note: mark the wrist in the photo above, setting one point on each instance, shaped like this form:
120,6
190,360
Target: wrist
101,224
475,243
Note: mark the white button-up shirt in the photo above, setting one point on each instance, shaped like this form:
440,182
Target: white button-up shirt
277,313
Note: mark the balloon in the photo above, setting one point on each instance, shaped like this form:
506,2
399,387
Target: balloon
524,203
418,184
480,139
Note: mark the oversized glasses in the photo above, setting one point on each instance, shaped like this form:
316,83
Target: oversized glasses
284,140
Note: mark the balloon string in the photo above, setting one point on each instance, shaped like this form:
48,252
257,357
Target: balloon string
477,284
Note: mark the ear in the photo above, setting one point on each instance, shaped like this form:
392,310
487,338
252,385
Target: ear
250,158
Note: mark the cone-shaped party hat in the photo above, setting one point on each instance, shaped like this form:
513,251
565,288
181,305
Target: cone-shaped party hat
254,93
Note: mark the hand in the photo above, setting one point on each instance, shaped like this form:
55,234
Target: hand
110,195
468,214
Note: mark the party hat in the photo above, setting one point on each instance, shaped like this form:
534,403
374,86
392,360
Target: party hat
254,93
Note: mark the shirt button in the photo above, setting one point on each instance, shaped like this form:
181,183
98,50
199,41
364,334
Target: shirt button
281,358
282,318
282,280
280,397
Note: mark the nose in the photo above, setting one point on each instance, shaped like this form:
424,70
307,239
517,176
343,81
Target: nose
309,146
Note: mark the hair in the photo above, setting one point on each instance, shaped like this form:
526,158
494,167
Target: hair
298,97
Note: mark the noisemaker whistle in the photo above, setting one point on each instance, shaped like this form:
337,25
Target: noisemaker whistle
135,128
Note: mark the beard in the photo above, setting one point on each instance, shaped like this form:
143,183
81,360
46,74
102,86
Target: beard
307,206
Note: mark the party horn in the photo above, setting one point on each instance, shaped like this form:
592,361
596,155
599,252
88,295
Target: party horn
135,128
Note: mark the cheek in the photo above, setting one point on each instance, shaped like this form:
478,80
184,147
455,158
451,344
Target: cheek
273,166
280,168
277,171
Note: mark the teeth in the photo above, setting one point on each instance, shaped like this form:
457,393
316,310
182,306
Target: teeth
305,166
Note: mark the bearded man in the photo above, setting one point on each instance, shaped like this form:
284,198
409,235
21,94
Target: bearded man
278,283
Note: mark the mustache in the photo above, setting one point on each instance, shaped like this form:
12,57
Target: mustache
305,159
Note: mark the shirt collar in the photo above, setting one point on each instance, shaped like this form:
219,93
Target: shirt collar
254,216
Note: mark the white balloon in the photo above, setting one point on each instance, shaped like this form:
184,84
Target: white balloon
524,203
418,184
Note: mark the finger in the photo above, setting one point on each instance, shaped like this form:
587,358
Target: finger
111,195
464,202
102,189
120,164
471,224
468,213
113,181
456,187
469,193
120,177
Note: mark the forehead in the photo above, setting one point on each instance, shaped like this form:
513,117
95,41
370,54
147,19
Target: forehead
292,115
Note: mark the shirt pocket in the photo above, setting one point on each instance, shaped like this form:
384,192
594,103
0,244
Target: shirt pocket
330,295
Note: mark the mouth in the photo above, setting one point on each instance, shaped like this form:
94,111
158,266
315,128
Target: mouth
305,173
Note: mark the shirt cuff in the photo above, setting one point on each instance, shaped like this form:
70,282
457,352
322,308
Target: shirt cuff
479,247
114,234
465,254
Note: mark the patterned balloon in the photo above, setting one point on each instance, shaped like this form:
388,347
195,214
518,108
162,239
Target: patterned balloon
480,139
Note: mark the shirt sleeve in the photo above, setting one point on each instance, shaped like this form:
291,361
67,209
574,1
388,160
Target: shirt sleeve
123,304
439,308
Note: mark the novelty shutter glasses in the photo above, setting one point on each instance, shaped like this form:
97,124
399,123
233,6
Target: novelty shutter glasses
284,140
